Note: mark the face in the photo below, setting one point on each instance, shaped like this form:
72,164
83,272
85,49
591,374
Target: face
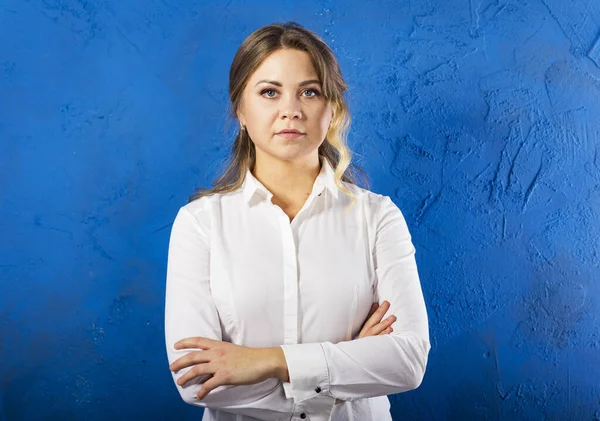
285,93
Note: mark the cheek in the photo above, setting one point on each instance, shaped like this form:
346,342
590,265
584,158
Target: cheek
261,113
261,122
326,115
325,120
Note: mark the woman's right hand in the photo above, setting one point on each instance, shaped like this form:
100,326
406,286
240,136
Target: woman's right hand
374,326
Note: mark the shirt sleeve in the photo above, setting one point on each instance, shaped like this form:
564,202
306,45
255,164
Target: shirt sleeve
375,365
190,312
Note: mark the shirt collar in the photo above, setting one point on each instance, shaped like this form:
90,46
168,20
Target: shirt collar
325,180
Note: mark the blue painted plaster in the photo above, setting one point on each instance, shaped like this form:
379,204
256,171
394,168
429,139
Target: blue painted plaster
478,117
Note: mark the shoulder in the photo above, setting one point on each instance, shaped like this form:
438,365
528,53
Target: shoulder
197,206
202,206
380,209
368,198
194,218
197,212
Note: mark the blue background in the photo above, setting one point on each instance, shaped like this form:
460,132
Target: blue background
479,118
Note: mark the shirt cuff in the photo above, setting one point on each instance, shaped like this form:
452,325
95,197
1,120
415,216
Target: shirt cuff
309,375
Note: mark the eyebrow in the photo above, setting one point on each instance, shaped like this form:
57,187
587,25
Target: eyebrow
276,83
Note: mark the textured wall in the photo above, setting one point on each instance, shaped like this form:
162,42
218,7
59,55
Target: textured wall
479,118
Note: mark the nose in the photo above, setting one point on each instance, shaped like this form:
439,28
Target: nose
291,107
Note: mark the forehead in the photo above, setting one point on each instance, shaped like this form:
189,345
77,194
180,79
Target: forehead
287,66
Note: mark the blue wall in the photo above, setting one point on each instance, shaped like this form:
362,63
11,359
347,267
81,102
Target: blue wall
479,118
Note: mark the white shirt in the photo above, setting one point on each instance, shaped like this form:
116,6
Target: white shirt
239,271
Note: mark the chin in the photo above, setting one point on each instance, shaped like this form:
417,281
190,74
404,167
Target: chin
290,155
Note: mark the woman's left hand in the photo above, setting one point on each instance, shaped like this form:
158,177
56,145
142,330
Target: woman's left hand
229,364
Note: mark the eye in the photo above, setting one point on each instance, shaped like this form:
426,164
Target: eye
316,93
267,90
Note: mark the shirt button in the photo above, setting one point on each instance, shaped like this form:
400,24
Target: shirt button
303,415
319,194
318,389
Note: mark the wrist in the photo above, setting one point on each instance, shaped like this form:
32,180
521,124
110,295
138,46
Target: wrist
278,364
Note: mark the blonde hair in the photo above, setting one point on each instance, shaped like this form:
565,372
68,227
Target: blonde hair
256,48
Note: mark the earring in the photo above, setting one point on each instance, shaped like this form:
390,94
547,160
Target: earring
242,127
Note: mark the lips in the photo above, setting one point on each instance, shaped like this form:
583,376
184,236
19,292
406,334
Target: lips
290,134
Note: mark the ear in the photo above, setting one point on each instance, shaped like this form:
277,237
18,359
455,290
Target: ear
241,118
240,114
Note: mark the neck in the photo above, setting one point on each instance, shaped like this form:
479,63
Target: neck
287,180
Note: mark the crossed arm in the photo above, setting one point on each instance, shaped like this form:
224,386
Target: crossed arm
318,372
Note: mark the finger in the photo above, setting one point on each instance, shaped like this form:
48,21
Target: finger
383,325
373,308
190,359
207,386
377,315
389,320
388,330
367,322
377,330
195,342
384,307
197,371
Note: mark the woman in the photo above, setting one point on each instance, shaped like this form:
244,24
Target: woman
272,273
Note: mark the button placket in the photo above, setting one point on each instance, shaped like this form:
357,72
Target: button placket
290,274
